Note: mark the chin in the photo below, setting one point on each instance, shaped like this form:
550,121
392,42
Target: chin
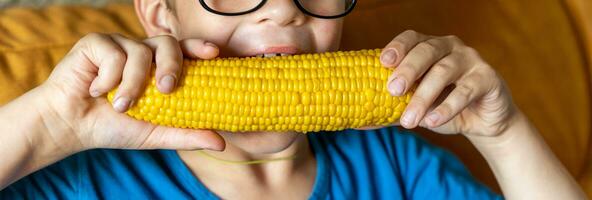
261,142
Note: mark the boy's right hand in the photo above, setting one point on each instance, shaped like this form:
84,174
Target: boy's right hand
99,63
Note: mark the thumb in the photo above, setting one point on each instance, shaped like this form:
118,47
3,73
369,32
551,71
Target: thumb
112,129
161,137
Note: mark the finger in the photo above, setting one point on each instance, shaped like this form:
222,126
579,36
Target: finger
183,139
416,63
442,74
199,49
109,58
397,49
467,90
135,134
169,59
135,72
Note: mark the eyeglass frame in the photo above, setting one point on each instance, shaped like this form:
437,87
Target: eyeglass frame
297,2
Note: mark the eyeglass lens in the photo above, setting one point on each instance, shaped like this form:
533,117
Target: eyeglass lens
318,7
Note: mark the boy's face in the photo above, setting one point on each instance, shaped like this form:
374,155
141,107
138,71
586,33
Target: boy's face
279,23
277,27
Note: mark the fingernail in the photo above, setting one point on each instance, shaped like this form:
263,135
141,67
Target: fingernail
397,87
433,118
408,118
121,104
167,83
389,57
95,93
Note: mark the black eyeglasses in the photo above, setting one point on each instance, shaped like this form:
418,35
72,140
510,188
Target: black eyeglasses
326,9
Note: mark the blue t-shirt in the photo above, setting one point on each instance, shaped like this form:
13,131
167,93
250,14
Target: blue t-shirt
351,164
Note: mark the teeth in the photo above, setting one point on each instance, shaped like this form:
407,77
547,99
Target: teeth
269,55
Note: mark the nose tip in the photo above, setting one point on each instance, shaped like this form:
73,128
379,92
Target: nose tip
286,22
281,12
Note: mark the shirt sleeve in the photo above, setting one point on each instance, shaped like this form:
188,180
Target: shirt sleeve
430,172
60,180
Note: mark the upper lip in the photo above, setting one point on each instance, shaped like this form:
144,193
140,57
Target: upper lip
275,49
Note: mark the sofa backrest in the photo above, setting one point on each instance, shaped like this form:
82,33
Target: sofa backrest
542,50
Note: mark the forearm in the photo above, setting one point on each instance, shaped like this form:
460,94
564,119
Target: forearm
524,165
26,142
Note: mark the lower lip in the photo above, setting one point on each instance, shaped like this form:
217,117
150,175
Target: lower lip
286,50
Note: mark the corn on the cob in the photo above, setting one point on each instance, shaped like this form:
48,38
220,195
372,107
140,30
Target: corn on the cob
310,92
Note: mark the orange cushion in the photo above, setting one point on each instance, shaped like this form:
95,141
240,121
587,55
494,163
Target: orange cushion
581,11
532,45
33,41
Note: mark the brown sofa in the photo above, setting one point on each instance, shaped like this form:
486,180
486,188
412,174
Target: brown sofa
542,49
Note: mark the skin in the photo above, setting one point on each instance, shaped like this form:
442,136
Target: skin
459,94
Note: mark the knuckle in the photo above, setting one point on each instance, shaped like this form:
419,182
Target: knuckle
92,36
144,51
488,75
105,85
477,75
440,69
166,38
473,79
88,39
464,91
428,46
118,56
399,45
445,108
409,69
410,32
454,39
482,71
488,71
420,99
469,51
160,40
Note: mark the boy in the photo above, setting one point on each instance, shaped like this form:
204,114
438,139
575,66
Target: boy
67,115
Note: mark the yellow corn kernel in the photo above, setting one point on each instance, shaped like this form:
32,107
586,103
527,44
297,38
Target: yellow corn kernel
304,93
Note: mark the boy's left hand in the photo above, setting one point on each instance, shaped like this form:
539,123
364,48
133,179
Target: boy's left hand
478,104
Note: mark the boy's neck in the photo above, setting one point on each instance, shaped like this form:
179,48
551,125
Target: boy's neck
270,174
